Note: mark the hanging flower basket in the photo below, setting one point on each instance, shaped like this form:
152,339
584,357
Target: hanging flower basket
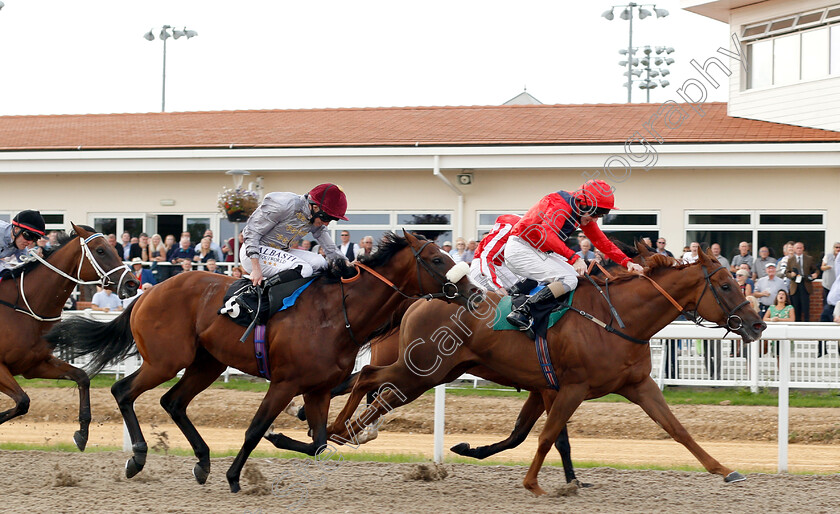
238,204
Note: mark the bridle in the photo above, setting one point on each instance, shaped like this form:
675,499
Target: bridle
104,276
733,321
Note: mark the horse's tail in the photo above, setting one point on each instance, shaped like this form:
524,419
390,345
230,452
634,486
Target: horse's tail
107,342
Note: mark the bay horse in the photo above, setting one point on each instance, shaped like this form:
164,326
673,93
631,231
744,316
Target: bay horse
590,358
32,297
311,348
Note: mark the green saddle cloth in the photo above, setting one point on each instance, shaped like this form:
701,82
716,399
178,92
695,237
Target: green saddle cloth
503,309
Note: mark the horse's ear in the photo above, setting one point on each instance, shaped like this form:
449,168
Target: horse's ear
76,229
642,249
704,257
409,237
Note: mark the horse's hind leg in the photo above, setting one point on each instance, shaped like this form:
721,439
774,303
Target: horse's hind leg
528,416
126,392
647,395
317,406
10,387
197,377
57,368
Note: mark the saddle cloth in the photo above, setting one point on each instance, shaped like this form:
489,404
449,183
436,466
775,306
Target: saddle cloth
557,311
276,298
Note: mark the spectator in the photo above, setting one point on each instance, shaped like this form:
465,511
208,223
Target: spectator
106,301
141,249
347,247
759,266
586,249
366,248
126,245
447,246
746,267
112,240
471,246
741,277
157,250
227,253
829,271
720,258
205,251
52,241
184,252
831,311
766,288
214,246
236,272
306,244
460,251
647,242
742,257
801,270
660,247
213,267
169,243
186,265
781,310
142,275
691,255
787,251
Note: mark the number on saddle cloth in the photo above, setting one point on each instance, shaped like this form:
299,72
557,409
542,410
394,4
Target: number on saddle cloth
243,299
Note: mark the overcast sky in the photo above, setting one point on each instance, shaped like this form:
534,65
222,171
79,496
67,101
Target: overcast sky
89,56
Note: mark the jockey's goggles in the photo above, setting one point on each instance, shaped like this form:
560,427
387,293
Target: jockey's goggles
323,216
29,235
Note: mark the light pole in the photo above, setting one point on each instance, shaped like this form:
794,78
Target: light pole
238,177
627,14
164,35
659,59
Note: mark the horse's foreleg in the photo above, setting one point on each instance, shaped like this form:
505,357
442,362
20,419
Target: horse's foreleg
567,400
647,395
197,377
340,390
366,379
58,369
528,416
317,406
126,391
278,396
10,387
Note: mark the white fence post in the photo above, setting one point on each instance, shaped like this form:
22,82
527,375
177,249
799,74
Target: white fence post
440,407
755,352
784,402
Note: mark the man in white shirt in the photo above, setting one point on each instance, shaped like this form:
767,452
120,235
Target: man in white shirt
347,248
106,301
692,256
767,287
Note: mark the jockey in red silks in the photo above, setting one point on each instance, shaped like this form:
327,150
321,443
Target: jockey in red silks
537,248
488,265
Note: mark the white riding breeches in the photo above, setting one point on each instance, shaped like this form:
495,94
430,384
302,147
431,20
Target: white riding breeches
481,276
273,261
526,261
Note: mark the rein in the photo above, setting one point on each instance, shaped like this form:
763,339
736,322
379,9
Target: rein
104,277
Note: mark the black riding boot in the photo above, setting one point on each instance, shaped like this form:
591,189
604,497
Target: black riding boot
524,286
284,276
521,317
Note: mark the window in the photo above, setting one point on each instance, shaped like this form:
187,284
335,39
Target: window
487,219
759,228
435,225
801,47
630,226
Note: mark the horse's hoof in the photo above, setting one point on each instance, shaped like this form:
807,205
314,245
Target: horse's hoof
734,477
132,468
234,486
460,448
200,473
80,440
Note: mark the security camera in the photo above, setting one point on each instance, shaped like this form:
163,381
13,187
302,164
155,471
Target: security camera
465,179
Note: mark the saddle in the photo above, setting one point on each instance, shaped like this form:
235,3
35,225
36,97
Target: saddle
244,301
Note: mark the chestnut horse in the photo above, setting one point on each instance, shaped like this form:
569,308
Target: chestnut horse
589,360
32,297
311,348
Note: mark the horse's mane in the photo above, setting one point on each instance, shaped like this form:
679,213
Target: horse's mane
388,246
653,262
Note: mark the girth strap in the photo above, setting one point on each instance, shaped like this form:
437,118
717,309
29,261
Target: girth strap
261,352
546,366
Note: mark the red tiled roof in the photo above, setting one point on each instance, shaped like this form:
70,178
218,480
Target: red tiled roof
407,126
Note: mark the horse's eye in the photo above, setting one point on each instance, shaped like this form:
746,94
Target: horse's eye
437,260
725,287
100,251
